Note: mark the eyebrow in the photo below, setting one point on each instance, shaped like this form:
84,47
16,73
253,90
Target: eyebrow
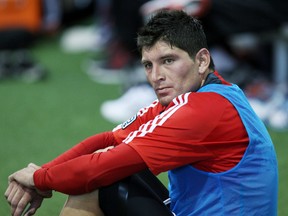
166,56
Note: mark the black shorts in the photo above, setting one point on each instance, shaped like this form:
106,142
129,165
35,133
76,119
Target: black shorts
141,194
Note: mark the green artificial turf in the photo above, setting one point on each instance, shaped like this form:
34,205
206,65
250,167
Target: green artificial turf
39,121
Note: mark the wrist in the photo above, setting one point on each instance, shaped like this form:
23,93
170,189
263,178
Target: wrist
39,180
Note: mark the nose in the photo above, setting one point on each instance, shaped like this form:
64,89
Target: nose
157,74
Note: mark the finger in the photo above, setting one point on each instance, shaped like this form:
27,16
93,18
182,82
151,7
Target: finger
30,212
35,204
23,203
17,196
13,190
19,192
105,149
9,189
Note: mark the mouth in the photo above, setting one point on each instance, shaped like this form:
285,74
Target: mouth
162,90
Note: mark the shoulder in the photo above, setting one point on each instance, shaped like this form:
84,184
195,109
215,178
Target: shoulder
197,108
202,100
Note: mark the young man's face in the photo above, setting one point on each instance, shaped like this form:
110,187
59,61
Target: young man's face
170,71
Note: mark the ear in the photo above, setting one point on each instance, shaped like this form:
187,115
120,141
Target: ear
203,60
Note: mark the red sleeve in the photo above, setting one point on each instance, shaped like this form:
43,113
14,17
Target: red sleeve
89,172
88,146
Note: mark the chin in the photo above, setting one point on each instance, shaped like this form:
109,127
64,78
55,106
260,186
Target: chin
165,101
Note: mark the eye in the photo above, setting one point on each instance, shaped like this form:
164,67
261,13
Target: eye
147,65
168,61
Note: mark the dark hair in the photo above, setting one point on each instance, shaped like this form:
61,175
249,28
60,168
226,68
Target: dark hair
176,28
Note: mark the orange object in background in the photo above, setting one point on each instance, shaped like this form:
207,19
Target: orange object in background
24,14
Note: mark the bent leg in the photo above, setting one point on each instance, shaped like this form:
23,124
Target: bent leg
82,205
86,204
141,194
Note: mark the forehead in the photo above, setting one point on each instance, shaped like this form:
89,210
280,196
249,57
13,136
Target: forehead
160,50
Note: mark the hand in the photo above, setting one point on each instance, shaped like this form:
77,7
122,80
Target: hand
20,197
21,192
25,176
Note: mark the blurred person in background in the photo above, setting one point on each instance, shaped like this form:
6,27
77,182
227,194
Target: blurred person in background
246,31
128,20
113,35
21,24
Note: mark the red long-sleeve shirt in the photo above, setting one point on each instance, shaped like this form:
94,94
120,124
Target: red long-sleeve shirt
201,129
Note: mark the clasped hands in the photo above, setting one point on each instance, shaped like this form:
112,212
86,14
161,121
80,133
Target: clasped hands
21,192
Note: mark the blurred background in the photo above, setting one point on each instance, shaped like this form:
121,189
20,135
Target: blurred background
70,69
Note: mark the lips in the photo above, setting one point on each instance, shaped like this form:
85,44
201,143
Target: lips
162,90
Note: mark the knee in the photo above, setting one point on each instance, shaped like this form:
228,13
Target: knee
84,203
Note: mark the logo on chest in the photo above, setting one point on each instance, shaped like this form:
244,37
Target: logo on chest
128,122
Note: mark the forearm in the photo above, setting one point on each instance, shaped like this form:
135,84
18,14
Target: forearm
87,146
89,172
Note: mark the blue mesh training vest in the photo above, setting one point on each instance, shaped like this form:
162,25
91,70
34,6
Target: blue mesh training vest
250,188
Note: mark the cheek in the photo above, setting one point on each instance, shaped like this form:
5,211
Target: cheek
188,78
148,77
185,73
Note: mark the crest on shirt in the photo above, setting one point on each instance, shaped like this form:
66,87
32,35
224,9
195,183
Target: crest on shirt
128,122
